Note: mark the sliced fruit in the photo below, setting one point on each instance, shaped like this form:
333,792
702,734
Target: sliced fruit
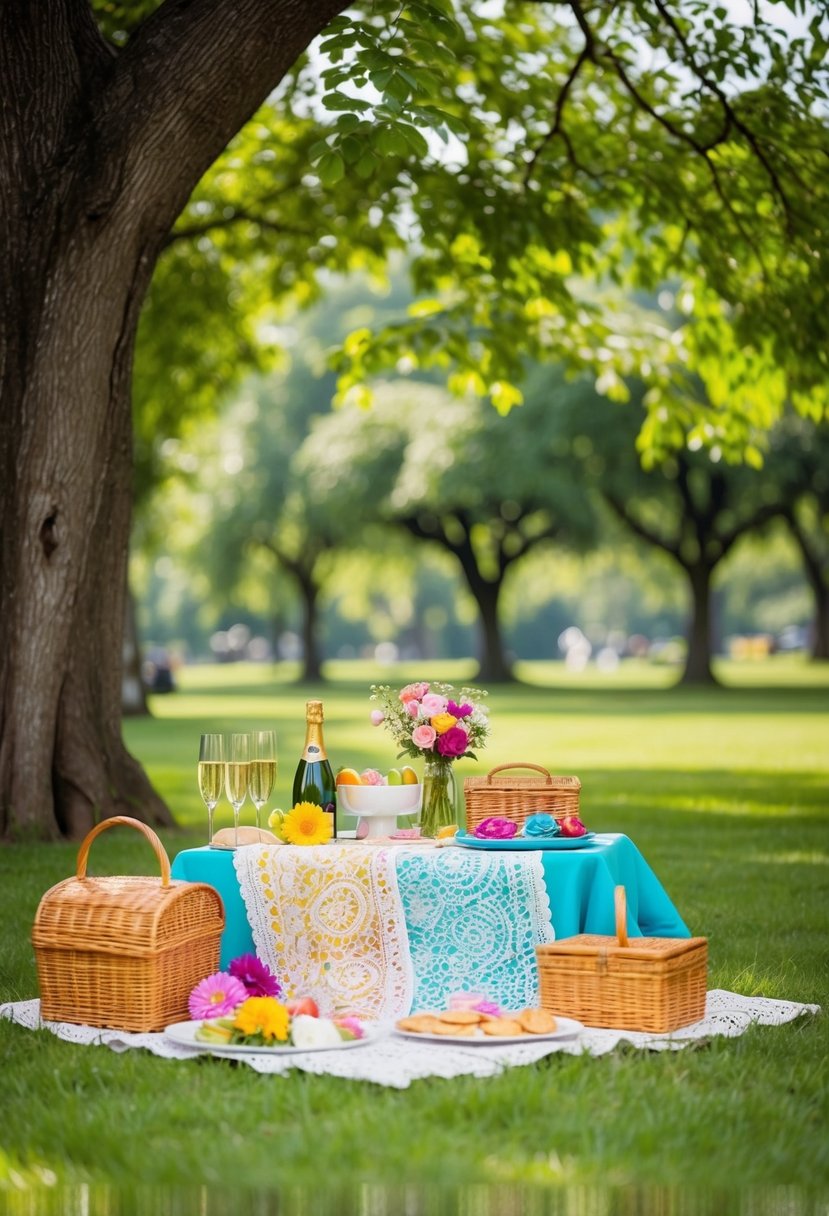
303,1005
348,776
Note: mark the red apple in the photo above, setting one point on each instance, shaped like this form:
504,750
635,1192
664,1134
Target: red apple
571,825
303,1004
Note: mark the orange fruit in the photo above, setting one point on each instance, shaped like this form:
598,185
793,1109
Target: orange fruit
348,776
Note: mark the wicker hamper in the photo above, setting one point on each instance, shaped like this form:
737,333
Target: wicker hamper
653,984
516,798
124,952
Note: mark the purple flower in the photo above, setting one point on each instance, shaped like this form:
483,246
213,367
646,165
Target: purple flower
453,743
257,977
495,828
459,711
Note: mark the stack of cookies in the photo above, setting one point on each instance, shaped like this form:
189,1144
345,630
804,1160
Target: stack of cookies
471,1024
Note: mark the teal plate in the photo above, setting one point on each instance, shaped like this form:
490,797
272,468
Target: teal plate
526,842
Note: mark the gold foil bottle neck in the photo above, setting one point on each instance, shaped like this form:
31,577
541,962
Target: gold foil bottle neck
313,712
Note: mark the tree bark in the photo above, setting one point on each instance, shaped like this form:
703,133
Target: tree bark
311,657
99,154
698,659
494,667
133,692
816,575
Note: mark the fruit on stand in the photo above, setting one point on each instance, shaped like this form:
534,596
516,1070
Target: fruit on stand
409,776
348,776
394,777
571,825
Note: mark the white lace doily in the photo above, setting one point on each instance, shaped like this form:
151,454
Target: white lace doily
396,1062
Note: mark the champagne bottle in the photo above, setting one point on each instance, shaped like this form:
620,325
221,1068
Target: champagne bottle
314,778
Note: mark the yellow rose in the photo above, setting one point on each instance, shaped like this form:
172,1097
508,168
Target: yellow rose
443,722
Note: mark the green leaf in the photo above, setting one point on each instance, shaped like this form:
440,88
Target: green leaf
340,101
331,169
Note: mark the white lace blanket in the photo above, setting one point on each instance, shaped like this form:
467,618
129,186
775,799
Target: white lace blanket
396,1061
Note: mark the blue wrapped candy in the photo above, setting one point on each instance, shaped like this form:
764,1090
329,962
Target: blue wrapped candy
541,826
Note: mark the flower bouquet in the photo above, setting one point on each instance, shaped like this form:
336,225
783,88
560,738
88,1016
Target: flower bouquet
242,1005
426,720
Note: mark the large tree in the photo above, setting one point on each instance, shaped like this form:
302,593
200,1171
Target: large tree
101,148
631,141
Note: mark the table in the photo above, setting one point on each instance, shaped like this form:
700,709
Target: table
579,884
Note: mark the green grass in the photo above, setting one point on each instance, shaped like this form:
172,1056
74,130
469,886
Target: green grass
725,792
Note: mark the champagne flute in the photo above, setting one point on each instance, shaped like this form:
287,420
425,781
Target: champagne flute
237,776
211,775
262,769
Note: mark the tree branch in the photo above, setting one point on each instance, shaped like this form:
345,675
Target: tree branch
639,528
240,215
187,81
732,118
556,128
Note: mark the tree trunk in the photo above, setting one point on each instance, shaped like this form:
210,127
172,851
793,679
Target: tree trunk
133,692
99,154
698,659
311,657
820,623
494,666
815,571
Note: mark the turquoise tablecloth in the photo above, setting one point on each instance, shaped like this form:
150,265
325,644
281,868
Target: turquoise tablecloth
579,883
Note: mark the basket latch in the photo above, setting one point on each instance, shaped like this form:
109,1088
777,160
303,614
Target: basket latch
601,961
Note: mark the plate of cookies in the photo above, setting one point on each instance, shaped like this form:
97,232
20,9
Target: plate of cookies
469,1026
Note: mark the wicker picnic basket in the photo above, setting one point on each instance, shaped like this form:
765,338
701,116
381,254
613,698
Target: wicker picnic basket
516,798
653,984
124,952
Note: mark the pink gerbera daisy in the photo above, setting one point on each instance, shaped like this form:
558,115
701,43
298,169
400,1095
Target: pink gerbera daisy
257,977
216,997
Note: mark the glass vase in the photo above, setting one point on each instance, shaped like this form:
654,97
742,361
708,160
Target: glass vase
439,806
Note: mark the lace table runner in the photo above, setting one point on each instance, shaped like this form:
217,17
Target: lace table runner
473,921
328,921
396,1062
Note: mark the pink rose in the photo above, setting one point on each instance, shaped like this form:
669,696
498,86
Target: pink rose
413,692
377,716
432,704
413,708
453,743
424,736
495,829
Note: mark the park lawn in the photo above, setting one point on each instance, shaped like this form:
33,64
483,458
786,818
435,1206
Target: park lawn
725,792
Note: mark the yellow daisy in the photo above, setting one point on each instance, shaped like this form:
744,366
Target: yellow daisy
307,823
265,1016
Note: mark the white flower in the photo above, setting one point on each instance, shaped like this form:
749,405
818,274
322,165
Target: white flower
314,1032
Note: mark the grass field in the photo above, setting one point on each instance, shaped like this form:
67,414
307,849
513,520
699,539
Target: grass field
724,791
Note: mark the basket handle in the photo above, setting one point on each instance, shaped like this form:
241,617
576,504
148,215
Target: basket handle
500,767
620,907
127,821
